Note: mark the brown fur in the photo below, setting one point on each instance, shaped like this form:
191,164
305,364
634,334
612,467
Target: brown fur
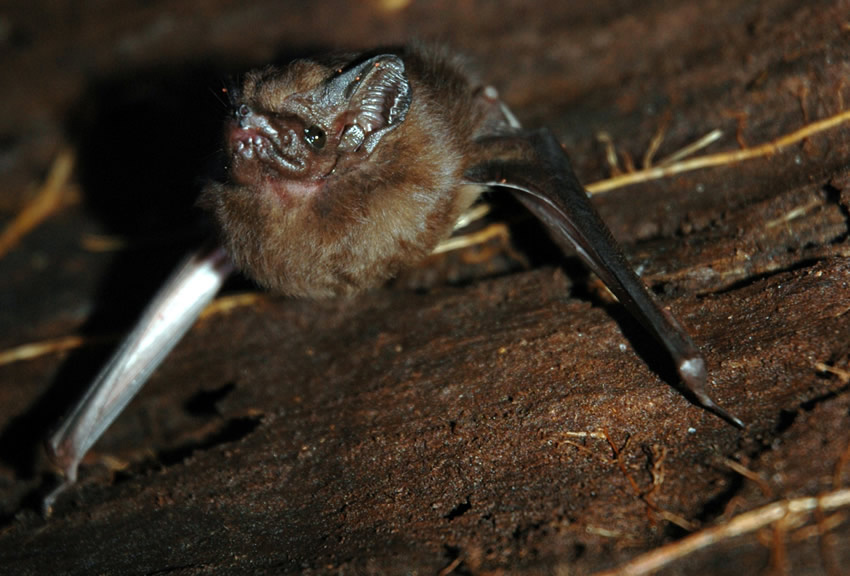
361,224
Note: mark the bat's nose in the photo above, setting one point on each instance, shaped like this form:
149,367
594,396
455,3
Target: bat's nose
249,119
243,115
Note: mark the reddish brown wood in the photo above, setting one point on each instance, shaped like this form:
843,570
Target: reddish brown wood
419,430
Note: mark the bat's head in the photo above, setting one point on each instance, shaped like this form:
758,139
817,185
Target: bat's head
302,124
337,175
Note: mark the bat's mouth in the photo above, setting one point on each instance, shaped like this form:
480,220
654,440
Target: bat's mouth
256,145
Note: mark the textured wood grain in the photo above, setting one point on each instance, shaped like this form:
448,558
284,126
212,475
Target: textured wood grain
512,421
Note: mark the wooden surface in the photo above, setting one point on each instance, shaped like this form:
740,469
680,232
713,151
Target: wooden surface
516,421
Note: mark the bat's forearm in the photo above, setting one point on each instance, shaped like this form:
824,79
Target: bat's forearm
167,318
534,166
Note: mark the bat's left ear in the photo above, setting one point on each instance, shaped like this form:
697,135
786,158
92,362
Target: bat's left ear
374,97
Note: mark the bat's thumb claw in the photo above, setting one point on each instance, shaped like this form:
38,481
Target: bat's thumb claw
694,375
65,465
710,405
52,494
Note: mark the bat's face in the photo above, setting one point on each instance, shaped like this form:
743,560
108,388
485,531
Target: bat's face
292,129
337,177
279,136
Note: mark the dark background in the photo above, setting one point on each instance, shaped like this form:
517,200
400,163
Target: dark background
521,421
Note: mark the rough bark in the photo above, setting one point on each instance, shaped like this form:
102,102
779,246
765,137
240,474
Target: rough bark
514,421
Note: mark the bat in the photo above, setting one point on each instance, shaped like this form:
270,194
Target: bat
340,172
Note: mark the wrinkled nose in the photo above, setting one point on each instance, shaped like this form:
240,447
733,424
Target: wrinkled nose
248,119
243,113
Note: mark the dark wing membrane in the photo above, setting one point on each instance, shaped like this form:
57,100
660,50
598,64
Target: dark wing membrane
537,170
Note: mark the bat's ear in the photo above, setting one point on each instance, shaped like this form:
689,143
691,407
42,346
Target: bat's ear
375,96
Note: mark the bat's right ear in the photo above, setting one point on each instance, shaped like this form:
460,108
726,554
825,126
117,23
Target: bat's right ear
375,96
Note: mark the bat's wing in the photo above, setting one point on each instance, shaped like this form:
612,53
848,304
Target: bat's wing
167,318
536,169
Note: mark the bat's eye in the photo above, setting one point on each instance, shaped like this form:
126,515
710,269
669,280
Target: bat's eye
315,137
